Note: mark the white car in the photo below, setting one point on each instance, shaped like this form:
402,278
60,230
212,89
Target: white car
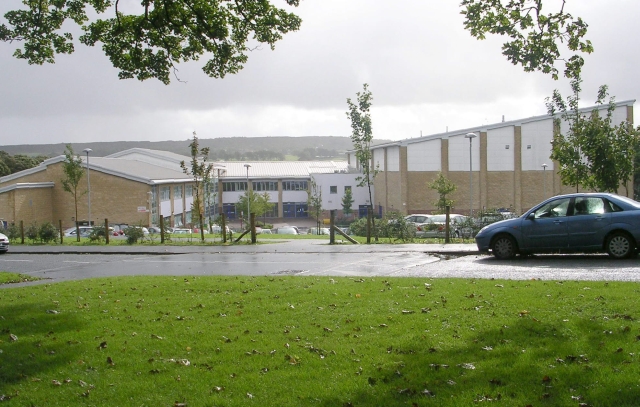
84,231
4,243
218,229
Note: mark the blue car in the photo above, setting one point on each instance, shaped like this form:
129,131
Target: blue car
582,222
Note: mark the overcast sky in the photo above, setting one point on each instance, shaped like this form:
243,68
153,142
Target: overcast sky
426,73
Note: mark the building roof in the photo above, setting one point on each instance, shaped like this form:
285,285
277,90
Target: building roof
487,127
161,167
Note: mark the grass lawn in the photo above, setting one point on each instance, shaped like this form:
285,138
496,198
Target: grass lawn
320,341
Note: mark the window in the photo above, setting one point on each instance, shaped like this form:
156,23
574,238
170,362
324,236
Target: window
347,188
177,192
229,210
294,185
588,206
333,189
188,191
234,186
165,193
555,208
265,185
272,212
187,218
295,210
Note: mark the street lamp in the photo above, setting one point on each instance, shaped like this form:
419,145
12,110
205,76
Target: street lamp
470,136
247,166
87,151
544,179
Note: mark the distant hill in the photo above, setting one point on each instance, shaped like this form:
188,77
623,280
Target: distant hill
229,148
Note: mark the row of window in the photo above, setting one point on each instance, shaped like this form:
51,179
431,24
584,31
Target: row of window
232,186
290,210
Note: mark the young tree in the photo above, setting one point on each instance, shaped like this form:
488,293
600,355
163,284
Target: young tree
200,170
534,36
592,152
152,42
347,202
444,187
314,200
73,173
259,203
361,136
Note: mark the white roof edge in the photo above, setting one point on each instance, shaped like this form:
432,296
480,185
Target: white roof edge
27,185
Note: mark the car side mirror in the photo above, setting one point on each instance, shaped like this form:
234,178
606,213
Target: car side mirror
531,216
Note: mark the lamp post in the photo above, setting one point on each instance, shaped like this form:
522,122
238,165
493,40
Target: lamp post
470,136
247,166
544,179
87,151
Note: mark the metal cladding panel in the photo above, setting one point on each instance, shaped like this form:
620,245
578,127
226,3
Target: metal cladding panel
282,169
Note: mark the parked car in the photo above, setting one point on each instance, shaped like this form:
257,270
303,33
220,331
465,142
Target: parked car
436,224
4,243
417,218
218,229
181,231
85,231
265,231
145,231
287,230
582,222
318,231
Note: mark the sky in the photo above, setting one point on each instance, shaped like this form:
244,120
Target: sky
425,71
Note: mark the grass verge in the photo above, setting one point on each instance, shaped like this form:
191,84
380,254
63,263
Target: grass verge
319,341
12,278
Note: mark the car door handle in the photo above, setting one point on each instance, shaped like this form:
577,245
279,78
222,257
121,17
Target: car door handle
557,222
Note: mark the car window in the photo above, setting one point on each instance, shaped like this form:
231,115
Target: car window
553,209
612,207
588,206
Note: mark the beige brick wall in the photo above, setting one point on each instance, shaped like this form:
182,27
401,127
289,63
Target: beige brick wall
112,197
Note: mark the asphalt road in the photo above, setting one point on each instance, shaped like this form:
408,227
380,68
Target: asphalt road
459,261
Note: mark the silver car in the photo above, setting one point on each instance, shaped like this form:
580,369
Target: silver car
583,222
4,243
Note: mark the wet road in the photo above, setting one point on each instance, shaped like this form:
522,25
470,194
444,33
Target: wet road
362,263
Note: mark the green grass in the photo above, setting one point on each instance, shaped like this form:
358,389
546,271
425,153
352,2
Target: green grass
12,278
320,341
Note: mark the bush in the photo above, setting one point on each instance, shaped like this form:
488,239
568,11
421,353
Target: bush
32,232
97,234
394,226
47,232
13,232
133,234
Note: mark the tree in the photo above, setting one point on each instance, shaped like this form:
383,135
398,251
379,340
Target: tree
592,152
314,200
361,136
200,170
347,202
535,36
444,187
152,42
73,173
259,203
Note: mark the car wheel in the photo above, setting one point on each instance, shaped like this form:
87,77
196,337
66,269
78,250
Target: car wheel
504,247
619,246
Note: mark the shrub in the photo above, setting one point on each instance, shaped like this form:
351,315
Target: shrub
394,226
13,232
97,234
47,232
133,234
32,232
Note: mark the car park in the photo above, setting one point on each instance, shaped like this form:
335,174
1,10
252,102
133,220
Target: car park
436,224
85,231
4,243
572,223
